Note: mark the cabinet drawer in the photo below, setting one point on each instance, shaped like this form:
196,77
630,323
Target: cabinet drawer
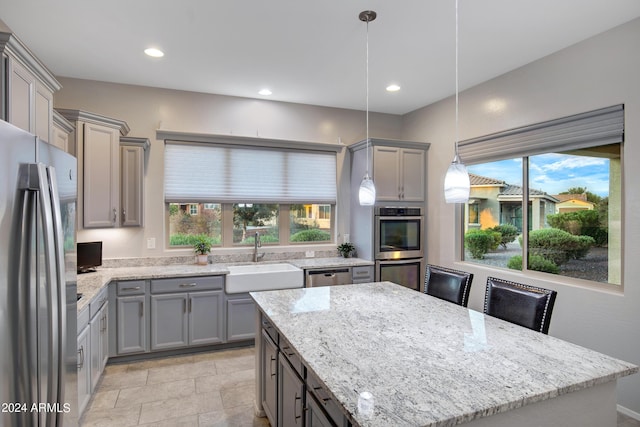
269,329
131,287
184,284
292,356
97,302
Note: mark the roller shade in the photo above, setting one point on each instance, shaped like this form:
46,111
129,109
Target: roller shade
211,173
599,127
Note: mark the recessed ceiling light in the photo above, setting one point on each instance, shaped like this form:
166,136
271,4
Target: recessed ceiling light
393,88
265,92
156,53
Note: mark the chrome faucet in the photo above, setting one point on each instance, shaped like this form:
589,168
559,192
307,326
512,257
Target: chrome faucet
257,244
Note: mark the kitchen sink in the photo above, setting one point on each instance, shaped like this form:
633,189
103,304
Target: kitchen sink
263,277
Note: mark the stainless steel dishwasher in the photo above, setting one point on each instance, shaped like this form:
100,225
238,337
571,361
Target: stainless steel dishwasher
328,277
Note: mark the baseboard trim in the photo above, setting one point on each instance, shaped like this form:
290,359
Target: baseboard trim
628,412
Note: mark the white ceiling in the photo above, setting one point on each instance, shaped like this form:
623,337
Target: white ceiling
310,52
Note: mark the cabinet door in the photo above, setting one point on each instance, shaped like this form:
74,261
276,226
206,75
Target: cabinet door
131,185
413,176
315,417
22,86
241,319
101,179
290,395
169,320
131,315
269,380
205,317
84,369
386,173
43,113
104,336
95,355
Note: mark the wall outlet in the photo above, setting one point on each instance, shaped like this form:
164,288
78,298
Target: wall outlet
151,243
309,254
345,238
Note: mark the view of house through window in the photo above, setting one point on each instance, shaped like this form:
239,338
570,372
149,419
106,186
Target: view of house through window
572,217
307,223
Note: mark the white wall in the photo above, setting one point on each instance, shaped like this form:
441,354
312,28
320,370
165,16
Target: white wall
147,109
599,72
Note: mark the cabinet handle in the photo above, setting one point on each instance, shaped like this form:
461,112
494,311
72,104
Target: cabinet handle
184,305
190,303
295,409
188,285
273,359
289,354
81,353
141,309
133,288
318,388
114,215
124,214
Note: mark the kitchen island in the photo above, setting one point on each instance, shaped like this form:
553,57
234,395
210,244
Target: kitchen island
427,362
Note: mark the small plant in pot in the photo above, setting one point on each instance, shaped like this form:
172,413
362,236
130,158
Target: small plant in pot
201,247
346,249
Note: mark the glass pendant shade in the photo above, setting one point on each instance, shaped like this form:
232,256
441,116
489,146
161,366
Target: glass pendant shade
367,193
456,183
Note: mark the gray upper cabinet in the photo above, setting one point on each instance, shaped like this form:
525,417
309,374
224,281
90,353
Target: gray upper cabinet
398,169
132,159
26,87
96,141
399,173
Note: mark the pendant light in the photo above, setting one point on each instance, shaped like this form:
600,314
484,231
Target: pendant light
367,193
456,181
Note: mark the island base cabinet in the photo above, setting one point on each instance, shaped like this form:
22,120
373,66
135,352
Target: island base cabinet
290,396
314,416
131,314
269,383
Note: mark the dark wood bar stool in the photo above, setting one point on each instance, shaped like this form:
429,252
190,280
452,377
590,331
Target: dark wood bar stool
524,305
448,284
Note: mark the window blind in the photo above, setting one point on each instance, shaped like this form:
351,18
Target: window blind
206,173
599,127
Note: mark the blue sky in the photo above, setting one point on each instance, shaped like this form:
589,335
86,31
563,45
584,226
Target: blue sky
553,173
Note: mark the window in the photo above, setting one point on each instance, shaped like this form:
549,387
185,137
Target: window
288,196
550,210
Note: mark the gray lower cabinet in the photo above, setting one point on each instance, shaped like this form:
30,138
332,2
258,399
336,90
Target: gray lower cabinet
184,319
131,317
315,417
131,321
186,311
84,366
99,344
241,317
290,395
269,383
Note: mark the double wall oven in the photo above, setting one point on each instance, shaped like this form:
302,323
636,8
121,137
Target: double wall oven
399,245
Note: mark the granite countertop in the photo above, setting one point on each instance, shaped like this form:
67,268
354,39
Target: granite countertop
426,361
89,284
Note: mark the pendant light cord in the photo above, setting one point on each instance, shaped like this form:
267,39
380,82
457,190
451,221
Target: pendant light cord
367,103
457,135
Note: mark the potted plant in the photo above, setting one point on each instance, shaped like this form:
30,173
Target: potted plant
346,249
201,247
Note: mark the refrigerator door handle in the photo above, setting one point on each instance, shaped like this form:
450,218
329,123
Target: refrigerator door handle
42,179
61,289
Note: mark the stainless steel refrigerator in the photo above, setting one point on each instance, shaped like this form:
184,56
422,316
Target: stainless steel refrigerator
38,356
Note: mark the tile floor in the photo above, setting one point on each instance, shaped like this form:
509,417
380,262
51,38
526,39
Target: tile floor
206,389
